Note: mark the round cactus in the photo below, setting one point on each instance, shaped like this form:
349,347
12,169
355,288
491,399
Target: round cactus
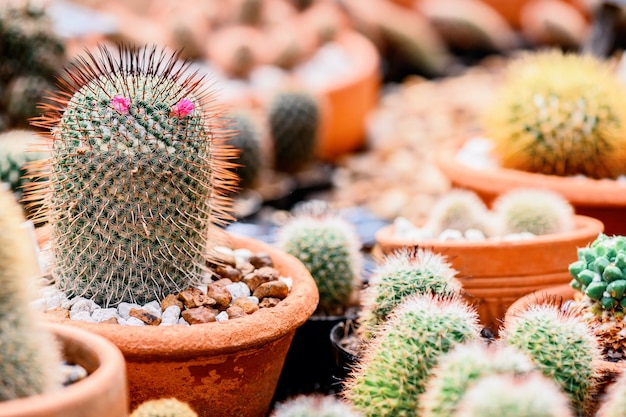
561,345
247,139
314,406
614,401
294,120
401,274
514,396
31,359
16,151
459,369
560,114
459,210
137,178
329,247
536,211
164,407
399,359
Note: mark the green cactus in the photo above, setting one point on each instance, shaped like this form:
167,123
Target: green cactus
459,369
294,121
459,210
614,401
398,361
15,154
329,247
31,359
536,211
22,97
561,345
514,396
164,407
560,114
137,178
247,139
401,274
314,406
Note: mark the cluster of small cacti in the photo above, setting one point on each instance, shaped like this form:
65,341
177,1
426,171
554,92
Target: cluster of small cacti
246,137
561,345
460,210
314,406
394,368
137,178
164,407
560,114
329,248
399,275
30,358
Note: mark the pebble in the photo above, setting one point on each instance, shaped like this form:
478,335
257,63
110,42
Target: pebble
248,305
123,309
273,289
71,373
81,315
170,315
222,316
199,315
238,290
104,314
145,316
84,305
261,260
171,300
132,321
221,295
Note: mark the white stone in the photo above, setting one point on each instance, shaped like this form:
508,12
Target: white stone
103,314
170,316
123,309
55,300
84,305
288,281
81,315
202,288
511,237
154,308
132,321
222,316
474,235
244,253
238,290
450,235
183,322
254,299
39,305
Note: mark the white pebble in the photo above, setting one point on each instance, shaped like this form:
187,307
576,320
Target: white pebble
81,315
474,235
222,316
511,237
254,299
123,309
103,314
132,321
183,322
244,253
84,305
202,288
170,316
153,307
238,290
288,281
38,305
450,234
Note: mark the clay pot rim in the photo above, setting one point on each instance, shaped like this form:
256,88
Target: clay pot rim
583,226
110,364
496,180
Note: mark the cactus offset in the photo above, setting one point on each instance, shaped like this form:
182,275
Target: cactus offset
459,210
560,114
247,139
164,407
137,178
30,357
314,406
398,361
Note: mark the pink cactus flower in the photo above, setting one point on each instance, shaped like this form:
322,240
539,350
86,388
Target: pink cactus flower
182,108
120,104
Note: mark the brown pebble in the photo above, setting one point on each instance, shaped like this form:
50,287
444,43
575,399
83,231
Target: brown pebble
171,300
246,268
145,316
246,304
193,297
229,272
260,276
222,282
234,312
221,295
268,302
62,313
199,315
274,289
112,320
260,260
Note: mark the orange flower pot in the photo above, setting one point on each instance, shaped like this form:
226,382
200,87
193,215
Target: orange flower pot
103,393
496,273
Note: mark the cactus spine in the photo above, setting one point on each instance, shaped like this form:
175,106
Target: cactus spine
30,358
397,362
459,210
137,177
314,406
164,407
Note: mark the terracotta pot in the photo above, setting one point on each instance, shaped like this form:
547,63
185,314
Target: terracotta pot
103,393
604,200
220,369
496,273
511,9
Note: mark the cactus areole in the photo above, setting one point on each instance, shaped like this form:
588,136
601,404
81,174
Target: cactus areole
137,178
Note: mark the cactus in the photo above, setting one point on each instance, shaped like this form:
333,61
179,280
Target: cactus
399,359
460,369
22,96
137,179
314,406
329,248
514,396
537,211
15,154
560,114
294,120
164,407
31,358
562,347
459,210
401,274
247,139
614,401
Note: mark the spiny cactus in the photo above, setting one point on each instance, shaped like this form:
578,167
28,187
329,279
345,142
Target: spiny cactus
314,406
399,359
247,139
137,179
514,396
16,151
459,369
560,114
329,247
294,122
164,407
614,402
401,274
22,96
537,211
30,357
562,347
459,210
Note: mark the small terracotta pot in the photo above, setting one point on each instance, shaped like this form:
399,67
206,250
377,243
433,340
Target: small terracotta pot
603,199
103,393
496,273
220,369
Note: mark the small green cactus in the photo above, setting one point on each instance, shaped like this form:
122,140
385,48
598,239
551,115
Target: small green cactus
164,407
560,114
294,122
314,406
459,210
398,361
247,139
459,369
329,247
31,359
514,396
536,211
614,401
137,177
401,274
16,151
561,345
